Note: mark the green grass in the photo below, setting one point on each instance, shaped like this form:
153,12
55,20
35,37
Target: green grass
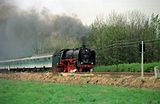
27,92
134,67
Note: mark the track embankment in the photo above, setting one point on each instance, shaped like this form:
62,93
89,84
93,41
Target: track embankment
121,80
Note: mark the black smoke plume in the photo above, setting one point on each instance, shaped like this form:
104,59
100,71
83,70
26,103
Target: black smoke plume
25,33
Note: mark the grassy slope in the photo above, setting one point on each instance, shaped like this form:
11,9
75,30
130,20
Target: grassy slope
134,67
24,92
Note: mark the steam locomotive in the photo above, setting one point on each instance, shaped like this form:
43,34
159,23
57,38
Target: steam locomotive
67,60
72,60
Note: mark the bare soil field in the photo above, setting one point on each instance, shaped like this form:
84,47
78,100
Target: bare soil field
122,80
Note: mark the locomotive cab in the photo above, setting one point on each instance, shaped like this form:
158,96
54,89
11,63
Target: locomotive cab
55,61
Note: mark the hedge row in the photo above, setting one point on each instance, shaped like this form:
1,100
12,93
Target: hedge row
134,67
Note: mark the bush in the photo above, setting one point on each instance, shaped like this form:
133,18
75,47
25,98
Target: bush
134,67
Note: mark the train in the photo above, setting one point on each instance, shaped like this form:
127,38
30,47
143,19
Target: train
66,60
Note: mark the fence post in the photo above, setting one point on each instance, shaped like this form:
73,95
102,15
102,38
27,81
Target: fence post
142,60
156,71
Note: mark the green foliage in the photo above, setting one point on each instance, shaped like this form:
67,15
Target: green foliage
112,38
25,92
134,67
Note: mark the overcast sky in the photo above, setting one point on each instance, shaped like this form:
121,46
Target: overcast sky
87,10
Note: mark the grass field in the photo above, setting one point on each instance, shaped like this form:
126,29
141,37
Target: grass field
134,67
27,92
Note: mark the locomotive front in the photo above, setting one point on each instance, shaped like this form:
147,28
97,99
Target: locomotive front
86,59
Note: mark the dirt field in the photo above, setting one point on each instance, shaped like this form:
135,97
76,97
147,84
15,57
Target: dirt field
125,81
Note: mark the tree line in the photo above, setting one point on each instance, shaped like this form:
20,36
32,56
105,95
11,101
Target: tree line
116,38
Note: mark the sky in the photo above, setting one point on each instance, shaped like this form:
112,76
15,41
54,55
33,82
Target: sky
88,10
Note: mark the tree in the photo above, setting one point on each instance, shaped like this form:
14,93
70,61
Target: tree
111,38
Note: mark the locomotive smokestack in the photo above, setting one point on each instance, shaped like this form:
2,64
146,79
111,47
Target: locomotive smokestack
84,39
84,46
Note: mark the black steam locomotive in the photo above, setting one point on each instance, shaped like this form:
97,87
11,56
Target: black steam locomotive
73,60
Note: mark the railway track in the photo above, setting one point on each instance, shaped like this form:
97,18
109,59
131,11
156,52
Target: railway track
136,74
118,73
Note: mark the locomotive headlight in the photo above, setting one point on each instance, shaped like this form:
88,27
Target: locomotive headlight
92,63
81,62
